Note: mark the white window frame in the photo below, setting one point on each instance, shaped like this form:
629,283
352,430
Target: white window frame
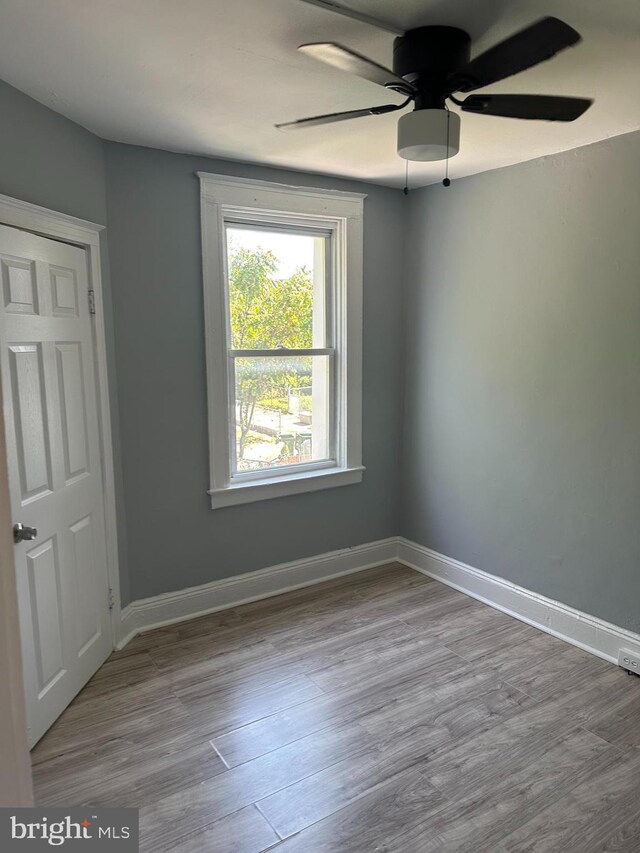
225,199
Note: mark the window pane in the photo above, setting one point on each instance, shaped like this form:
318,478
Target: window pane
277,292
282,409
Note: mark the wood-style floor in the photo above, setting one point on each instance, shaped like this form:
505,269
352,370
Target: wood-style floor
379,712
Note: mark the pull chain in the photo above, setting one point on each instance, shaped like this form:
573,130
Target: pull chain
446,181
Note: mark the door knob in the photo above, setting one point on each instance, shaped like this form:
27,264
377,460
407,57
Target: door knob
23,533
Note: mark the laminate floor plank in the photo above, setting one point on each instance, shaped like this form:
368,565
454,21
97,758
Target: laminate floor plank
264,664
585,818
144,725
97,708
381,711
471,631
245,830
488,638
470,702
355,702
625,838
439,608
329,599
521,656
619,721
512,793
499,751
371,822
216,712
196,806
343,674
311,799
564,672
477,823
122,771
284,633
193,660
118,674
411,602
145,642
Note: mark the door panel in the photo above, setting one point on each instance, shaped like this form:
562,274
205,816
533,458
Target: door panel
31,428
19,286
54,469
47,616
64,292
74,418
84,572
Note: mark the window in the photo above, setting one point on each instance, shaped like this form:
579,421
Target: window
283,308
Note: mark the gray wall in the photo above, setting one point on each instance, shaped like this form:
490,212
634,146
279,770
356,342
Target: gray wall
174,539
521,451
48,160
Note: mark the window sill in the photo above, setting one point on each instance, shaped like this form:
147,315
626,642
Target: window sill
296,484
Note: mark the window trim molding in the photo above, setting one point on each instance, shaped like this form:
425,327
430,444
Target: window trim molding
220,197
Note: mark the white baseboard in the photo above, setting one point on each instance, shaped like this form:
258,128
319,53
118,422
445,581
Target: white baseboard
580,629
148,613
588,632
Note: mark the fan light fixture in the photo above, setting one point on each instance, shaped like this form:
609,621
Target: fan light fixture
429,135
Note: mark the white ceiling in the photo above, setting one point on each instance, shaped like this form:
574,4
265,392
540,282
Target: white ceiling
213,76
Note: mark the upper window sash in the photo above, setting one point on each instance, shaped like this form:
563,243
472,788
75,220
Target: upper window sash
259,219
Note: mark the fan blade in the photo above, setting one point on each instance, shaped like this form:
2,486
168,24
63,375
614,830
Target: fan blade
545,107
331,117
523,50
331,6
353,63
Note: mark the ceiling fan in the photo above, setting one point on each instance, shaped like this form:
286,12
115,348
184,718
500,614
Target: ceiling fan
432,65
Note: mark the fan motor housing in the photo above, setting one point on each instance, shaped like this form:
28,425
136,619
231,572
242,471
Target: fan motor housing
426,56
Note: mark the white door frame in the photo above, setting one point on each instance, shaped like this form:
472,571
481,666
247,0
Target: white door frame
80,232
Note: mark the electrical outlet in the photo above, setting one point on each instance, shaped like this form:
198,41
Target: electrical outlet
629,660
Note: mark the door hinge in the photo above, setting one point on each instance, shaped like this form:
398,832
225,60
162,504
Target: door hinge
92,302
112,599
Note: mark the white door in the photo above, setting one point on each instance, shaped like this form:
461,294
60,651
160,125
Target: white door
55,472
